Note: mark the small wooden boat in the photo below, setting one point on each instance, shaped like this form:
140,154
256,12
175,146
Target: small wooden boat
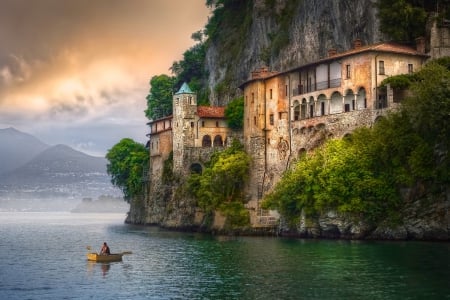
104,257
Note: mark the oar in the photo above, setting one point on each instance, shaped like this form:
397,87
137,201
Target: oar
126,252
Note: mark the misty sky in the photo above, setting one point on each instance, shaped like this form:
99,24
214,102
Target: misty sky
77,72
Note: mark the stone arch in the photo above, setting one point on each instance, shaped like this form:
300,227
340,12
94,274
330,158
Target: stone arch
218,142
295,131
301,152
349,101
312,104
361,98
296,110
303,109
303,130
206,141
336,103
322,108
196,168
320,126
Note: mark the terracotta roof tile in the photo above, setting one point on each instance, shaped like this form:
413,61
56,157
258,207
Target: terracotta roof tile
211,111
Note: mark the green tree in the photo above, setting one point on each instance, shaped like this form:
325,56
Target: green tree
221,185
234,113
159,100
126,163
402,20
191,69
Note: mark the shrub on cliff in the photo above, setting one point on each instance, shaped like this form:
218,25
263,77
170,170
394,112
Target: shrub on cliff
221,185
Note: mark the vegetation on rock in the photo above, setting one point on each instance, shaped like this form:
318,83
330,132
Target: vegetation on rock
234,113
221,185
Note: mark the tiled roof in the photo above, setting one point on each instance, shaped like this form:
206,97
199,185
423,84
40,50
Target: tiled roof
381,47
388,47
211,111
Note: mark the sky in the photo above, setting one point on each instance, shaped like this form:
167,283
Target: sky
77,72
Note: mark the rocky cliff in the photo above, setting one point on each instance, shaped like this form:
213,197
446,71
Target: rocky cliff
284,34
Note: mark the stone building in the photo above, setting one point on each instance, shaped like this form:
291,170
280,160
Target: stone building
285,114
191,133
289,113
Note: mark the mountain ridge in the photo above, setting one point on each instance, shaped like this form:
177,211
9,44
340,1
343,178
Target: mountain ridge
55,171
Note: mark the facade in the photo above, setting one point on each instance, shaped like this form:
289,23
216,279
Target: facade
285,114
191,133
289,113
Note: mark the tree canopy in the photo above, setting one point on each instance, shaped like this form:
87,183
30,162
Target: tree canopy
159,100
234,113
127,161
221,185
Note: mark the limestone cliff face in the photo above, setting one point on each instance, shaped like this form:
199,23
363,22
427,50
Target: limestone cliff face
313,27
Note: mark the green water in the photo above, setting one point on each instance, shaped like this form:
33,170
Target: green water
42,256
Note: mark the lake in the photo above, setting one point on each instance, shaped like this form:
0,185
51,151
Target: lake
43,256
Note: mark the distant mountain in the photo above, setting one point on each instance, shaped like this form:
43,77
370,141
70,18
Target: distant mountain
32,172
57,164
17,148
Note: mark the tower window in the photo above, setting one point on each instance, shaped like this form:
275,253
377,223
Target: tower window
410,68
381,67
271,119
347,71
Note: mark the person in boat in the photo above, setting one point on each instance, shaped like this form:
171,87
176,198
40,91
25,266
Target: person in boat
105,249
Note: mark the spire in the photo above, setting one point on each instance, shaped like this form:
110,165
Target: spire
184,89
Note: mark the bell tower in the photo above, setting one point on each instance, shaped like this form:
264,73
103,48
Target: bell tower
183,124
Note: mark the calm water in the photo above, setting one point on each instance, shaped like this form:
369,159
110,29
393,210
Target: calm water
42,256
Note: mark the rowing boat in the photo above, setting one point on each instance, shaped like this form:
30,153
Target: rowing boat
104,258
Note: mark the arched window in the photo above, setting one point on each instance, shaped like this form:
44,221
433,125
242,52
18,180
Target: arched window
206,142
296,111
218,141
196,168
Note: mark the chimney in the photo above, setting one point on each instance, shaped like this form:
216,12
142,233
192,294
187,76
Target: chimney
357,44
332,52
420,44
260,73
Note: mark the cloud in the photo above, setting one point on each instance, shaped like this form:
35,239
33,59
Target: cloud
80,64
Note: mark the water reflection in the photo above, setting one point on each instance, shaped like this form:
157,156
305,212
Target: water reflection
93,266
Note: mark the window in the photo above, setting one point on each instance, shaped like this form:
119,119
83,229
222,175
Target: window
280,116
253,97
246,99
286,90
346,107
381,67
177,101
217,123
192,124
347,71
254,120
410,68
206,141
271,119
270,94
203,123
297,112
